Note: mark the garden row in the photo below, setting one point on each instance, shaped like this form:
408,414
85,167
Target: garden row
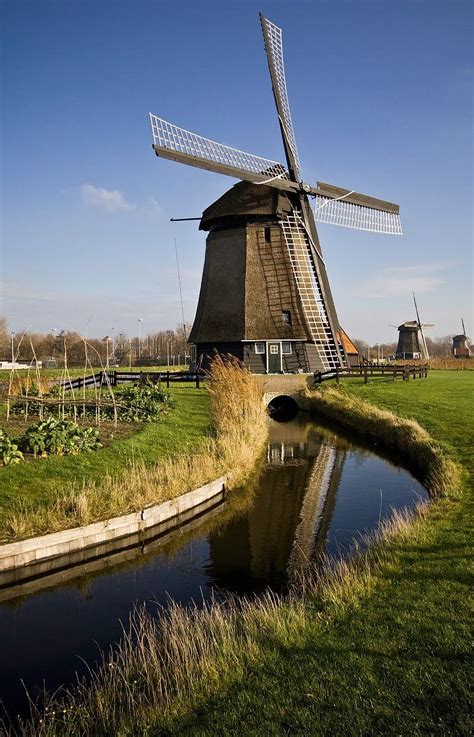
58,431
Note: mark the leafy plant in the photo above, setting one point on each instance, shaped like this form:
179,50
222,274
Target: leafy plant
142,403
9,452
59,437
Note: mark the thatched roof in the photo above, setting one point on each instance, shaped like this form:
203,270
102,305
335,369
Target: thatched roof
245,202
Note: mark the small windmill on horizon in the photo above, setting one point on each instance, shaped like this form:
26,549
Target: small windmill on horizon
265,295
461,348
411,338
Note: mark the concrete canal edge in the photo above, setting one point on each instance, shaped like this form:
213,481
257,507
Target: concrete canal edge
42,552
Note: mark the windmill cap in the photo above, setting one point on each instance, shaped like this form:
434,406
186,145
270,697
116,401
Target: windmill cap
408,325
245,202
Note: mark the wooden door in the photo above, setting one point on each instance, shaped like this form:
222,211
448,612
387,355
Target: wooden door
274,358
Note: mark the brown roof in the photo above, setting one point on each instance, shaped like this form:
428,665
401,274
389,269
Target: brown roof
347,343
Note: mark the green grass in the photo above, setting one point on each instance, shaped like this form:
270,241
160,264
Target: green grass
394,660
185,427
379,647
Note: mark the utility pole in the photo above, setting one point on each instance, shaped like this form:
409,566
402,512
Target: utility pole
140,320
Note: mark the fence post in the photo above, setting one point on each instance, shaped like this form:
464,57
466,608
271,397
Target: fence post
197,379
366,380
168,379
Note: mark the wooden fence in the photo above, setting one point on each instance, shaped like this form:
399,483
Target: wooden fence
114,378
366,370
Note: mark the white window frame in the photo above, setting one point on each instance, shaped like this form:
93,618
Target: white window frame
283,351
256,349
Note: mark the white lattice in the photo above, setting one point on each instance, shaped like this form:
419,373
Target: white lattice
339,212
309,290
275,58
169,136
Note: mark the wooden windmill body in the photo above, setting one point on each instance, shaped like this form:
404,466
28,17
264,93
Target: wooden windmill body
411,338
461,348
265,295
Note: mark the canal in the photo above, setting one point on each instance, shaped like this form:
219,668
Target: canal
313,492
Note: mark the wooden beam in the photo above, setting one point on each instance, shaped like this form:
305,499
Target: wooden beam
230,171
355,198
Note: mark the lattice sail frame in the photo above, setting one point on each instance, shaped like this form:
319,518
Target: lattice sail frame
309,290
274,50
348,215
168,136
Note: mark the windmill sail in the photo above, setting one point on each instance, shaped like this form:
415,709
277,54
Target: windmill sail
273,37
425,353
308,283
178,144
354,210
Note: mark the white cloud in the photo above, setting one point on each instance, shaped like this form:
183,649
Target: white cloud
398,281
105,199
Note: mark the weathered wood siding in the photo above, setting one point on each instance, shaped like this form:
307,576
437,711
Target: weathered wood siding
296,361
256,362
208,350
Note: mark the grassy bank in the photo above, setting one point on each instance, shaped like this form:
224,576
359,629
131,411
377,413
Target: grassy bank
375,646
212,431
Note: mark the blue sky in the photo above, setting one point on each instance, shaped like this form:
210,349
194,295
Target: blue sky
381,96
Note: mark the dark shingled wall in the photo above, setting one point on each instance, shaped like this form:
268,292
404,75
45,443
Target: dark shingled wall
206,351
220,312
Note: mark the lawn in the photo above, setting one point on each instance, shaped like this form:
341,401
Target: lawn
187,424
395,661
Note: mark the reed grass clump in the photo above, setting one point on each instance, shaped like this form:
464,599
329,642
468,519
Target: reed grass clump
239,432
438,472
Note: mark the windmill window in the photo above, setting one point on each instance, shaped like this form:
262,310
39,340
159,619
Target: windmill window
260,348
286,317
268,235
286,348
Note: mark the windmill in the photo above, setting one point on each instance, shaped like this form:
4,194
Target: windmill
411,338
461,347
265,295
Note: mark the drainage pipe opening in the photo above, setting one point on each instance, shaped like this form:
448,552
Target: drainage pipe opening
282,408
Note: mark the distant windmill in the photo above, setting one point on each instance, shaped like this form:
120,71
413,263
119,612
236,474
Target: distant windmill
265,294
411,338
461,347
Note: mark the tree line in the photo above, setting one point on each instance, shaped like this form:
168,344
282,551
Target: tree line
164,347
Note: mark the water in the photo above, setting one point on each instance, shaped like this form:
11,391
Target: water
315,491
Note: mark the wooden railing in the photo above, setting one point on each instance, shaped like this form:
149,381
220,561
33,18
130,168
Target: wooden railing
367,370
114,378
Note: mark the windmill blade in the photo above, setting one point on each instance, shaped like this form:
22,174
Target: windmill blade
178,144
310,291
420,327
273,38
351,209
463,328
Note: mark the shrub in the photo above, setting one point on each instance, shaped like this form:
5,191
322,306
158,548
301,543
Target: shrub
9,452
59,437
